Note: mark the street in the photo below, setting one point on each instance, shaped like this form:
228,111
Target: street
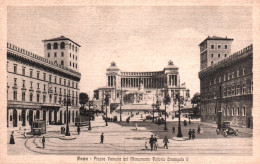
123,139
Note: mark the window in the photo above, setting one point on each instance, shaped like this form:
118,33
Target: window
55,79
50,76
15,80
226,46
76,66
64,82
15,68
55,54
23,96
60,81
227,111
55,46
62,45
76,58
212,62
233,111
72,47
76,49
244,111
62,62
55,99
243,88
238,111
44,88
76,85
224,77
219,55
31,84
38,97
244,71
38,85
44,76
55,89
219,46
237,73
31,97
48,46
15,95
38,74
31,73
70,55
225,55
23,83
73,65
215,110
44,98
62,54
50,99
49,55
212,46
68,83
73,56
252,86
212,55
23,71
70,63
60,91
238,89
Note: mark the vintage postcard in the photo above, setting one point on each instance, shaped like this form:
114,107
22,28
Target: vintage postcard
130,82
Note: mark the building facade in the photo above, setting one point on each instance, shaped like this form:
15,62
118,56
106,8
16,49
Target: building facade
226,87
37,86
142,87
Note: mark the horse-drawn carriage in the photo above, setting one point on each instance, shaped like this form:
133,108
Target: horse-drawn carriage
225,129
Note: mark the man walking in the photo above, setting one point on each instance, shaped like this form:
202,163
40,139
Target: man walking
78,129
43,142
193,134
102,138
165,141
173,130
151,142
155,143
189,134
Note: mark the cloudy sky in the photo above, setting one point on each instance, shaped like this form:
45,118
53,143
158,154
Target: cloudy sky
136,38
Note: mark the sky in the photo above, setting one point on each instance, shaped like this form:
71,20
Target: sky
135,38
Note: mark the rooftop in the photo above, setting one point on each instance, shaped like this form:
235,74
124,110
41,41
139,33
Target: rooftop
60,38
215,38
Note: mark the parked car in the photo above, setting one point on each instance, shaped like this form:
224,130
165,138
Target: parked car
225,129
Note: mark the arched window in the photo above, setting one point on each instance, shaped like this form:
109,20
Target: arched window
55,45
238,111
62,45
48,46
244,111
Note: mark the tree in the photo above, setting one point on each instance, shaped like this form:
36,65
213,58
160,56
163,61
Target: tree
83,99
196,100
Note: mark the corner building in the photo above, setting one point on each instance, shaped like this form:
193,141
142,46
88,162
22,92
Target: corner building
226,87
37,86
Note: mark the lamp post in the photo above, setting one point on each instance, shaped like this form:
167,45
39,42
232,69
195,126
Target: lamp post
179,123
67,103
89,123
106,103
121,105
166,101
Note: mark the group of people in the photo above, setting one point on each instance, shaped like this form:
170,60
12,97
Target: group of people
62,130
191,134
154,144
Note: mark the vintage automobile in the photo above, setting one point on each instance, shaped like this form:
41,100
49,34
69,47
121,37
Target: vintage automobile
225,129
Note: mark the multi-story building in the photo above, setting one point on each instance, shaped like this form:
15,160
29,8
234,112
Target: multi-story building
226,87
37,86
142,87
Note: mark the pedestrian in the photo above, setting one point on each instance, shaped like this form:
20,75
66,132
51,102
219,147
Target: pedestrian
43,142
136,125
189,120
24,133
20,129
12,138
189,134
199,129
173,130
151,142
102,138
193,134
78,129
155,143
165,141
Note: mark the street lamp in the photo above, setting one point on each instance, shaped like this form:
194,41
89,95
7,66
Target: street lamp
179,125
106,103
89,123
67,103
166,101
121,105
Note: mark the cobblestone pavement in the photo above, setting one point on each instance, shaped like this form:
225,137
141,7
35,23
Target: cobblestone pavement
124,140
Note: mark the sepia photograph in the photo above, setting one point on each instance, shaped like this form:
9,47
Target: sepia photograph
129,83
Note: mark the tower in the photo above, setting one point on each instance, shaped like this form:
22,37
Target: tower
62,51
214,49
